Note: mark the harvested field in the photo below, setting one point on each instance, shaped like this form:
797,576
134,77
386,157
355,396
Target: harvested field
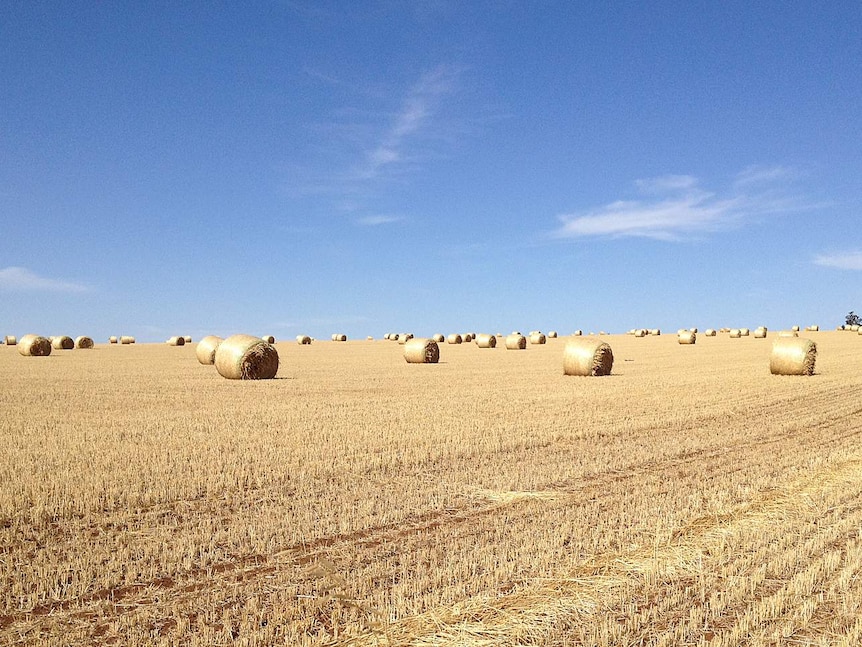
332,506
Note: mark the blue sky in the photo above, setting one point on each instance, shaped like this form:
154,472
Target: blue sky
318,167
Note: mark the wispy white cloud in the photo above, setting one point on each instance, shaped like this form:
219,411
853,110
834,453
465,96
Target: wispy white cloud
677,207
20,279
851,260
373,221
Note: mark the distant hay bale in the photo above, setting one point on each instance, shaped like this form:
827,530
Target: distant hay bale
486,341
655,332
369,338
112,340
176,341
467,338
244,357
269,339
694,330
516,332
537,338
84,342
127,340
813,328
552,334
421,351
760,332
339,337
62,343
854,328
788,333
303,340
11,340
516,342
744,332
792,356
405,337
577,333
587,356
439,338
386,336
794,328
687,337
454,338
709,332
206,349
735,333
34,346
640,332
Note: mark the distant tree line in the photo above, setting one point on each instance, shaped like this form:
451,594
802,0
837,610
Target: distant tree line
852,319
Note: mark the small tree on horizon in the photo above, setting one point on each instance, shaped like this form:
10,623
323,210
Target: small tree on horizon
852,319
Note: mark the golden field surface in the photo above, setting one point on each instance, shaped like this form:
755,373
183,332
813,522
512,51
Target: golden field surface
690,498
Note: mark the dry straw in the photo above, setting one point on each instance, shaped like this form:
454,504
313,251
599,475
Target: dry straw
421,351
112,340
516,342
687,337
484,340
11,340
537,338
454,338
84,342
303,340
439,338
34,346
62,343
127,340
206,349
792,356
243,357
176,341
587,356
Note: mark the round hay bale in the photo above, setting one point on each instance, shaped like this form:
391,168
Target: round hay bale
84,342
735,333
788,333
206,349
127,340
62,343
516,342
744,332
405,337
640,332
794,328
176,341
339,337
655,332
386,336
269,339
467,338
11,340
760,332
369,338
421,351
709,332
854,328
188,339
112,340
577,333
792,356
587,356
243,357
303,340
694,330
454,338
486,341
687,337
393,336
552,334
34,346
538,338
439,338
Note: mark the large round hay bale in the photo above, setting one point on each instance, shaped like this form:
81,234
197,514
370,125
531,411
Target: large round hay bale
467,338
709,332
655,332
403,338
112,339
303,340
760,332
687,337
127,340
421,351
244,357
206,349
794,328
454,338
537,338
11,340
552,334
587,356
188,339
484,340
744,332
792,356
735,333
577,333
640,332
269,339
516,342
176,341
813,328
34,346
84,342
62,342
439,338
339,337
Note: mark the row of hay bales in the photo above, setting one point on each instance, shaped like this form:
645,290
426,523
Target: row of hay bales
123,339
38,346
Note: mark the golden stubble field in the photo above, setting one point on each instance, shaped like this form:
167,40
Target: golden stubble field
689,498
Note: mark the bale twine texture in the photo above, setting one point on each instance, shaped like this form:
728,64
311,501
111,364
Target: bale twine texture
34,346
587,356
62,343
454,338
243,357
420,350
484,340
516,342
792,356
206,349
84,342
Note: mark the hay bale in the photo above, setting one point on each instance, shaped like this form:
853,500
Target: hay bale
11,340
303,340
454,338
339,337
687,337
439,338
516,342
34,346
813,328
421,351
655,332
486,341
794,328
176,341
552,334
127,340
369,338
788,333
587,356
269,339
694,330
577,333
62,342
112,340
735,333
760,332
405,337
537,338
467,338
188,339
709,332
744,332
243,357
206,349
640,332
792,356
854,328
84,342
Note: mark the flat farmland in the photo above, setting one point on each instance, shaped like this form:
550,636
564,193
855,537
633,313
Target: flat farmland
689,498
